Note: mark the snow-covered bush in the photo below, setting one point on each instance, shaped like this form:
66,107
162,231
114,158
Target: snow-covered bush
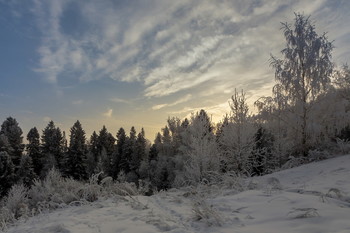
92,190
343,145
317,155
14,205
6,217
16,200
202,211
293,162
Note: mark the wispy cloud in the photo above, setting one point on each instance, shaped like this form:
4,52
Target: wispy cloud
167,46
179,101
109,113
119,100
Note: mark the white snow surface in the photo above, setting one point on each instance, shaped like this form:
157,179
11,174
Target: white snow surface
313,198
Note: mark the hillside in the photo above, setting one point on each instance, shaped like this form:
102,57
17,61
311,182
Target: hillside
312,198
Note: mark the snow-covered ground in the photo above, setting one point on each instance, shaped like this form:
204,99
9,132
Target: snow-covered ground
311,198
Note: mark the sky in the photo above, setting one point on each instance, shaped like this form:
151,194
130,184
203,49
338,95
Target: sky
123,63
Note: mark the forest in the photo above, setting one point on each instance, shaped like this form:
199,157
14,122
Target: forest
305,119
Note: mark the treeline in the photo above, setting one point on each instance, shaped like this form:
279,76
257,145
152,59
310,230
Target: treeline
306,118
78,159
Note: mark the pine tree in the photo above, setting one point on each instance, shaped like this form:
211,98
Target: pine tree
7,173
33,150
75,162
13,132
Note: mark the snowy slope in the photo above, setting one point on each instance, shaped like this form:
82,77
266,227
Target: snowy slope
311,198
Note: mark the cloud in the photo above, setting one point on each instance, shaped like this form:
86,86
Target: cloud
179,101
119,100
168,46
108,113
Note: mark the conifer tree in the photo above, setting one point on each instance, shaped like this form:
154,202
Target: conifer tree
13,132
120,162
33,150
128,153
262,157
106,140
75,162
93,146
93,155
26,172
106,145
53,145
139,152
7,173
4,143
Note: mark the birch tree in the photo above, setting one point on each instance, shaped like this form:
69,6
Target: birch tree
304,70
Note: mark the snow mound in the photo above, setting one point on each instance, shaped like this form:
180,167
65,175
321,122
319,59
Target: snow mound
311,198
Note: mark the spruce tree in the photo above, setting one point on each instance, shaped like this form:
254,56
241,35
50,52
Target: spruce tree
26,172
106,149
13,132
93,155
53,145
33,150
75,161
120,162
139,152
7,173
4,143
93,146
262,153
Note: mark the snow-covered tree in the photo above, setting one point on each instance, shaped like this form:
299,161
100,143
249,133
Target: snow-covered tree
235,136
342,81
304,71
201,158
